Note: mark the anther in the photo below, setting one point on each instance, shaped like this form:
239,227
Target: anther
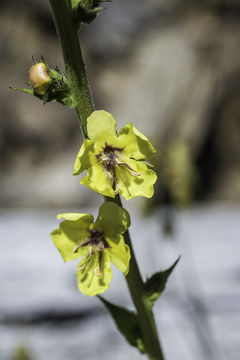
97,272
79,268
116,191
90,250
110,175
75,249
133,172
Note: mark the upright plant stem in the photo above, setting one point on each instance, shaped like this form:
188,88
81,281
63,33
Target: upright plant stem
68,36
75,69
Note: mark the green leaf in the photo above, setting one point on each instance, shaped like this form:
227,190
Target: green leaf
155,285
127,323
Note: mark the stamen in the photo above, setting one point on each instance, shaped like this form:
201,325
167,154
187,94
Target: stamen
75,249
90,251
88,258
133,172
116,191
110,175
97,272
149,164
97,244
117,186
79,268
86,243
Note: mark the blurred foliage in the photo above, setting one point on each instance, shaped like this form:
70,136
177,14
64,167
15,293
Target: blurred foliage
178,173
177,176
21,353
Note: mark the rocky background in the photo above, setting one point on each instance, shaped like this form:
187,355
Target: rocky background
170,66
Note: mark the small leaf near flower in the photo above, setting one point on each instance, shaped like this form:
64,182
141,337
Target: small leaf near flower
127,323
98,243
115,163
155,285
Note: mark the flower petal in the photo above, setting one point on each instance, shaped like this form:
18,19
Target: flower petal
70,234
82,161
112,219
78,217
98,180
135,144
101,123
132,186
88,282
120,255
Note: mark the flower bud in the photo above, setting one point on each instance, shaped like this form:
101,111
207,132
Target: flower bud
49,84
39,78
87,10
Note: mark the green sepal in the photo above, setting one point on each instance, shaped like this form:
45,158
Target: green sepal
27,91
155,285
58,94
87,16
127,323
85,11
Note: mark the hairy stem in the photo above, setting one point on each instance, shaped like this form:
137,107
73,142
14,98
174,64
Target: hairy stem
75,69
68,36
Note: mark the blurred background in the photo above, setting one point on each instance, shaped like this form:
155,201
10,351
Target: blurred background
172,68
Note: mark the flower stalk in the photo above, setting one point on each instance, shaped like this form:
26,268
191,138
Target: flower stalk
75,69
76,75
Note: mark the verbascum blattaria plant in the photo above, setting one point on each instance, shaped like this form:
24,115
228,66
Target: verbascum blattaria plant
115,164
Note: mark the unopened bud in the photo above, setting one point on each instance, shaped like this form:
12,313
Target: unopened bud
87,10
39,78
